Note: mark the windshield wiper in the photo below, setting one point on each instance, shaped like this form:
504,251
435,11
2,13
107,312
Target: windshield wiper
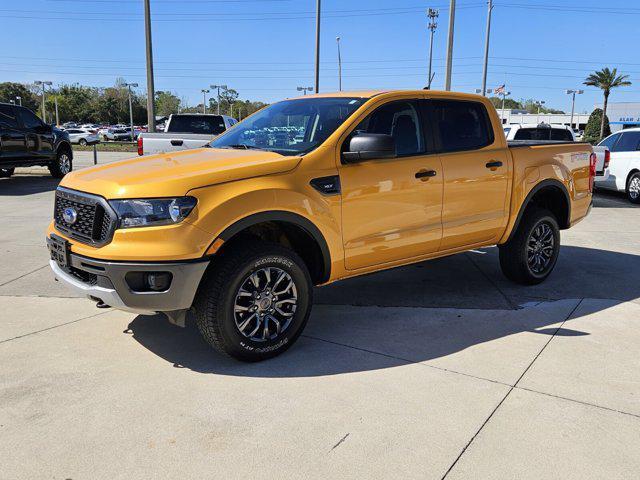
242,146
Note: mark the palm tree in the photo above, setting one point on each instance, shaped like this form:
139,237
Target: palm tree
606,79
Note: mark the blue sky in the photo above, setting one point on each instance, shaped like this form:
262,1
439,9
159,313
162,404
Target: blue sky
264,48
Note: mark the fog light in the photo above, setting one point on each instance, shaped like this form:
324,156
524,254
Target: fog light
158,281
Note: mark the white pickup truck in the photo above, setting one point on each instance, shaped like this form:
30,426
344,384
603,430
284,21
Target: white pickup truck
621,168
184,131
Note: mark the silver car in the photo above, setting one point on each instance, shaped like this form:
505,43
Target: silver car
82,137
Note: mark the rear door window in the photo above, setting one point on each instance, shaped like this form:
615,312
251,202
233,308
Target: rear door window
462,125
8,117
629,142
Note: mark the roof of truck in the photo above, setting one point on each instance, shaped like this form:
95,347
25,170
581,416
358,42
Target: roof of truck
373,93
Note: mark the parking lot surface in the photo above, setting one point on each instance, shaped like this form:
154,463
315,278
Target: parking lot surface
440,369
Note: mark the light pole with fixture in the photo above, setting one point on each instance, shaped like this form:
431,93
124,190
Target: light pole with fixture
204,99
129,85
433,15
218,87
19,99
339,65
573,102
43,84
539,105
304,89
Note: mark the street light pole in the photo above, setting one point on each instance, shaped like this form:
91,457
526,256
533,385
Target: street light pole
55,100
129,85
317,46
204,100
19,99
433,15
339,66
304,89
504,95
573,102
151,92
486,47
218,87
452,17
42,83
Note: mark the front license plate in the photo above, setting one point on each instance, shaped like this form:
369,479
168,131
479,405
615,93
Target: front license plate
59,250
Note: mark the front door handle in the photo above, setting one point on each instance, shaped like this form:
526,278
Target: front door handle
426,174
493,164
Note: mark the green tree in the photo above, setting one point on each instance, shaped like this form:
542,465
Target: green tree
9,91
75,103
509,103
605,80
596,128
166,103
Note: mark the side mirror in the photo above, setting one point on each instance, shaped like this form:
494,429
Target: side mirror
369,146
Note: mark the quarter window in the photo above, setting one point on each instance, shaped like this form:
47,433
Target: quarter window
629,142
610,141
462,125
401,121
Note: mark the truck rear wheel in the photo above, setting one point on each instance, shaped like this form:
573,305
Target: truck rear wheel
529,257
254,302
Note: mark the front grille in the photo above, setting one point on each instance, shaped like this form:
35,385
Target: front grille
95,220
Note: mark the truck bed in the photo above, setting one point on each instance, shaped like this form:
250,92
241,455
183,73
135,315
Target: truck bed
533,143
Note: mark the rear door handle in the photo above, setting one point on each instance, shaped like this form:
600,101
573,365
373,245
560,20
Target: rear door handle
176,143
493,164
426,174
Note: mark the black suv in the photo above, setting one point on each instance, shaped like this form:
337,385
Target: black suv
26,141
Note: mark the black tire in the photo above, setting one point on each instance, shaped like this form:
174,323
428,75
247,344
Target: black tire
515,261
82,142
6,172
633,188
215,303
62,165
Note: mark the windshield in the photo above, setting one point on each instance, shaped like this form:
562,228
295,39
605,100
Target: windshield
290,127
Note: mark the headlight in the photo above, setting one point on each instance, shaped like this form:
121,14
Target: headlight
151,212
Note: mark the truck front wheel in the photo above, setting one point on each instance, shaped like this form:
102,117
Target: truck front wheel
62,164
254,301
530,255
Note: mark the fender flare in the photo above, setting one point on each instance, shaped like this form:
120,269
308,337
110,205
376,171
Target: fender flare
286,217
64,144
550,182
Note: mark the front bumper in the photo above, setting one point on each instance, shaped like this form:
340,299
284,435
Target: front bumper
106,281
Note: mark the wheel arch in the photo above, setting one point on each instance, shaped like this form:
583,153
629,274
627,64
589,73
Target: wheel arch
631,173
297,231
64,145
551,194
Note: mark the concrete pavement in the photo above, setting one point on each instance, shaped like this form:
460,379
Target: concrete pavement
442,369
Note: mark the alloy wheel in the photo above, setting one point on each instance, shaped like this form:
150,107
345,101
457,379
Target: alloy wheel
265,304
64,162
634,187
540,248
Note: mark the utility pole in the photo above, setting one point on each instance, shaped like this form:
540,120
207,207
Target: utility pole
317,46
573,102
486,47
452,18
151,91
204,99
304,89
433,15
43,83
129,85
55,100
218,87
339,66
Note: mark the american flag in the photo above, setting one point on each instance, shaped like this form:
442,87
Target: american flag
499,90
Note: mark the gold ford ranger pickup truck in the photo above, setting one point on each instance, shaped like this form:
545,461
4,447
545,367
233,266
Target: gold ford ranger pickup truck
306,192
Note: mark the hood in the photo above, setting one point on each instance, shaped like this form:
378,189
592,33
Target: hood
174,174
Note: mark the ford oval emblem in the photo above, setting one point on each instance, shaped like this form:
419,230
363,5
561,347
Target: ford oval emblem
69,215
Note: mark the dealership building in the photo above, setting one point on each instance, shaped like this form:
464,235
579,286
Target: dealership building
621,115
